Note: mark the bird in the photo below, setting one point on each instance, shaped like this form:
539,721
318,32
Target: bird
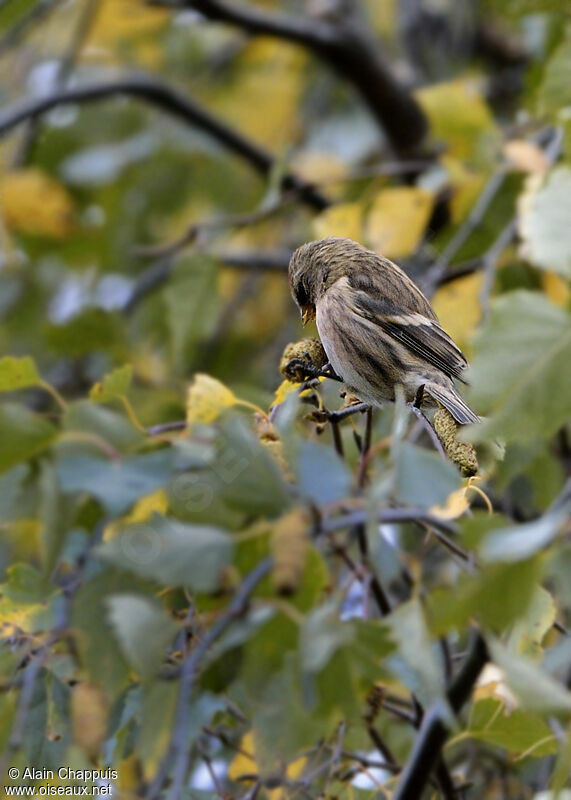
377,328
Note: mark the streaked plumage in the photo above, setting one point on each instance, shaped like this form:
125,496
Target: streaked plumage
376,326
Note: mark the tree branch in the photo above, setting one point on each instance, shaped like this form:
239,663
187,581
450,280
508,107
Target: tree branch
172,102
178,753
348,46
433,731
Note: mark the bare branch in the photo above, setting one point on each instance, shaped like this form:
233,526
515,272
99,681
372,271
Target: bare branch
433,731
177,753
349,47
177,105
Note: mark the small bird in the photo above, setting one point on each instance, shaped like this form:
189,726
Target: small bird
376,326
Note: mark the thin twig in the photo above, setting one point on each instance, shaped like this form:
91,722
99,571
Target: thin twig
156,275
217,223
40,656
176,104
177,752
36,13
63,70
433,276
427,425
343,413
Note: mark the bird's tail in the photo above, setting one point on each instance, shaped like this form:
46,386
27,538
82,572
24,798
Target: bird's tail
450,399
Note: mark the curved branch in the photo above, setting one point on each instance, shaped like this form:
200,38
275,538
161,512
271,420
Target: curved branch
349,48
177,105
310,33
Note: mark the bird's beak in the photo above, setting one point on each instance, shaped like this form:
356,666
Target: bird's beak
307,314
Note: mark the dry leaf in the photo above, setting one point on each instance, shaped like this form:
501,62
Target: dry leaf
206,399
398,219
34,203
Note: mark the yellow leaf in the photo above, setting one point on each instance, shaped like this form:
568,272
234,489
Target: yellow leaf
492,683
119,19
459,115
456,504
318,166
344,220
526,156
287,387
34,203
206,399
457,306
15,617
264,98
144,508
243,762
293,771
89,712
556,288
397,220
283,392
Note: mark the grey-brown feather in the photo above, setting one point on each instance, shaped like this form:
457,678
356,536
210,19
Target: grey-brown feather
376,326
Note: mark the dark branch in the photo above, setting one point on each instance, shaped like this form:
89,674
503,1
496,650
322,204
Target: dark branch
158,273
178,753
433,731
172,102
349,48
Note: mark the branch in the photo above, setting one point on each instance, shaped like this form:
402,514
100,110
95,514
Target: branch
196,230
36,13
551,140
157,274
348,46
433,731
176,104
309,33
178,751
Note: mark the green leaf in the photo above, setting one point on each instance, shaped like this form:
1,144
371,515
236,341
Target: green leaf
23,435
518,731
534,688
116,484
422,675
498,595
86,417
544,222
281,723
172,553
100,654
18,373
114,384
522,541
423,478
522,353
91,330
554,94
248,477
321,635
24,585
322,476
192,303
529,631
143,631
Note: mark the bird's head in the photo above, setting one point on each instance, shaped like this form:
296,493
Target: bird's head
316,266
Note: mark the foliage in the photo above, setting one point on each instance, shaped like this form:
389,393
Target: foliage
216,584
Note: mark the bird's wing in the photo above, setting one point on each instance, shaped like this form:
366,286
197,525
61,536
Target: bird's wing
422,336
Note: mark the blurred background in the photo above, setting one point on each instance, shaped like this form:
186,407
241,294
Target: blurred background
160,161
